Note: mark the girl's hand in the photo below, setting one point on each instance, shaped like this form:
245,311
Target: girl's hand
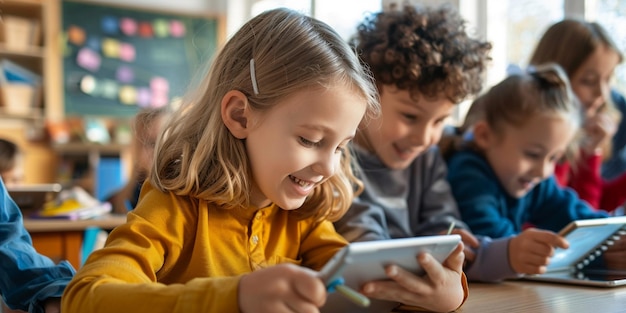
281,288
530,251
440,290
598,128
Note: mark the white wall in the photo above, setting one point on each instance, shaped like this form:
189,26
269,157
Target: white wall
190,6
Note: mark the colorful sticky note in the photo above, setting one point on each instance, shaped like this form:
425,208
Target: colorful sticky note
88,84
161,28
125,74
177,28
111,48
93,42
128,95
145,29
76,35
159,85
158,100
143,97
127,52
109,25
128,26
110,89
88,59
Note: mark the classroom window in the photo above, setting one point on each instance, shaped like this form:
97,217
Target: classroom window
612,15
342,15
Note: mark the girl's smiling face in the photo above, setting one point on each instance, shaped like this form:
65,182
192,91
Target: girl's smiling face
522,157
297,144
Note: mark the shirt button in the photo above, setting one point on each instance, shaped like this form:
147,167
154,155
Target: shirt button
255,239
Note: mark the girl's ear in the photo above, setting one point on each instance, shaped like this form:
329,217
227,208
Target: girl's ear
235,110
483,134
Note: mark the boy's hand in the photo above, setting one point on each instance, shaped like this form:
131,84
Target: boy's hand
439,290
281,288
531,250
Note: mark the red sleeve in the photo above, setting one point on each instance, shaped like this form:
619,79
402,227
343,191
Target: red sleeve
585,179
613,195
561,173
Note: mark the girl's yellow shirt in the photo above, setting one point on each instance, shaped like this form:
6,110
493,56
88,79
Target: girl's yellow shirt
182,254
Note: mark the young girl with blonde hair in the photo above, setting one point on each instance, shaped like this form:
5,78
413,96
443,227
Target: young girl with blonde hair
248,175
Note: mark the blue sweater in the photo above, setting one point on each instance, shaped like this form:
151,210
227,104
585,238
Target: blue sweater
27,278
488,210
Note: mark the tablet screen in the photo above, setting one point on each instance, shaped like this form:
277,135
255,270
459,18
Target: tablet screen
583,241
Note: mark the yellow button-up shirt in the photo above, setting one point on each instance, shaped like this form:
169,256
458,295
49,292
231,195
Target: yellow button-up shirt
182,254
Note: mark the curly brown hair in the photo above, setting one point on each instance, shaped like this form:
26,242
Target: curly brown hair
424,50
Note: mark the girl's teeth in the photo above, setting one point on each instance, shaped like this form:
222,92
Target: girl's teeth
300,182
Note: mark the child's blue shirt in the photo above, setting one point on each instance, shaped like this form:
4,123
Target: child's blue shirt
28,278
488,210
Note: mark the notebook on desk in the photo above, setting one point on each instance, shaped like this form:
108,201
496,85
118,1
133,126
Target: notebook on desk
33,196
588,240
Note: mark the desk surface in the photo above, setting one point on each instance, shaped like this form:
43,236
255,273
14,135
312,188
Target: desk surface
523,296
55,225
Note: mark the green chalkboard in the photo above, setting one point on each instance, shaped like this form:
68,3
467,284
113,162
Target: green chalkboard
117,60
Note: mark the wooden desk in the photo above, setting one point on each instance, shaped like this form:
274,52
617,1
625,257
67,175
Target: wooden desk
525,296
63,239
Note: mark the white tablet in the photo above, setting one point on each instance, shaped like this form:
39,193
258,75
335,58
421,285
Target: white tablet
361,262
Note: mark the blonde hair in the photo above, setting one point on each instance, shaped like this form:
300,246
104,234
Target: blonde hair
199,157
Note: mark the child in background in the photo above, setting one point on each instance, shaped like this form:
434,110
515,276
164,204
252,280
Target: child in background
589,57
146,128
29,281
250,171
424,63
503,178
11,167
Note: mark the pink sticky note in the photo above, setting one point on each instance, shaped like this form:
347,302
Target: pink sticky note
159,85
158,99
127,52
128,26
88,59
177,28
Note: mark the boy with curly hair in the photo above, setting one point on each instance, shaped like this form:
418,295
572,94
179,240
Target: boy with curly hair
424,63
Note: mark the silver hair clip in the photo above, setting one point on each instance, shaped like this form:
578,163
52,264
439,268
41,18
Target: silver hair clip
255,87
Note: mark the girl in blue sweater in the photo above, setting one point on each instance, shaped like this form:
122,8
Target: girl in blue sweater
503,177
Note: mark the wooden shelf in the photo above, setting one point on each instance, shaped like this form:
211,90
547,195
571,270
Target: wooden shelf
85,148
32,52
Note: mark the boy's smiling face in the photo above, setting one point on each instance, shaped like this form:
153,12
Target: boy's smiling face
406,128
